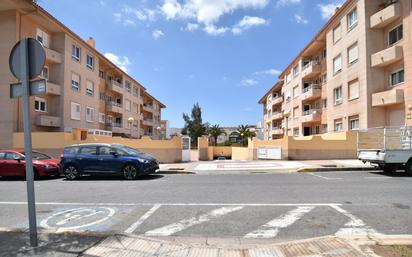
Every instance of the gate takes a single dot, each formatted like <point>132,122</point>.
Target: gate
<point>185,149</point>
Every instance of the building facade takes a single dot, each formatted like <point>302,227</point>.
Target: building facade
<point>84,88</point>
<point>354,74</point>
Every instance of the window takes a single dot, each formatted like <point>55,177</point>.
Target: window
<point>76,53</point>
<point>2,155</point>
<point>135,91</point>
<point>75,111</point>
<point>353,89</point>
<point>40,104</point>
<point>337,34</point>
<point>325,103</point>
<point>45,73</point>
<point>296,132</point>
<point>88,150</point>
<point>102,117</point>
<point>89,114</point>
<point>338,125</point>
<point>102,97</point>
<point>395,35</point>
<point>75,82</point>
<point>354,122</point>
<point>89,88</point>
<point>337,93</point>
<point>337,64</point>
<point>42,37</point>
<point>352,19</point>
<point>13,156</point>
<point>397,77</point>
<point>324,53</point>
<point>90,62</point>
<point>295,70</point>
<point>127,105</point>
<point>353,54</point>
<point>128,86</point>
<point>296,91</point>
<point>101,74</point>
<point>295,112</point>
<point>135,108</point>
<point>324,78</point>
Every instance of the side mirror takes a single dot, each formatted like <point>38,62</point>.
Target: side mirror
<point>19,159</point>
<point>115,154</point>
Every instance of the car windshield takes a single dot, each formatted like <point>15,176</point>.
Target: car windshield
<point>129,150</point>
<point>39,156</point>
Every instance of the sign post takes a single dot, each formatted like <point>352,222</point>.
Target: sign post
<point>26,62</point>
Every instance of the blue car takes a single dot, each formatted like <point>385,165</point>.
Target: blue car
<point>115,159</point>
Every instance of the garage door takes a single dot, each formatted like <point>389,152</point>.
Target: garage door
<point>397,118</point>
<point>269,153</point>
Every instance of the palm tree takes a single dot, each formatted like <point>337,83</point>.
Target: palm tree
<point>244,132</point>
<point>215,131</point>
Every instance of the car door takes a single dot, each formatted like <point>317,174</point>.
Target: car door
<point>12,166</point>
<point>2,166</point>
<point>109,162</point>
<point>87,158</point>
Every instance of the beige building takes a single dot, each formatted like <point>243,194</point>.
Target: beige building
<point>84,89</point>
<point>354,74</point>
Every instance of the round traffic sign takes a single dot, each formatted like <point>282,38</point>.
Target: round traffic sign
<point>36,56</point>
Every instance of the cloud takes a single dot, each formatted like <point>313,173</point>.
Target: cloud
<point>300,19</point>
<point>246,23</point>
<point>130,16</point>
<point>158,34</point>
<point>268,72</point>
<point>249,82</point>
<point>327,10</point>
<point>121,61</point>
<point>206,12</point>
<point>282,3</point>
<point>192,27</point>
<point>214,30</point>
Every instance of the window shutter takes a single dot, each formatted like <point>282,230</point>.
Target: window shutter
<point>353,89</point>
<point>337,64</point>
<point>353,54</point>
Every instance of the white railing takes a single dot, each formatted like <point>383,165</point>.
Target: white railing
<point>310,112</point>
<point>311,86</point>
<point>310,63</point>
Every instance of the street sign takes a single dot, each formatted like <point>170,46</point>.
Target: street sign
<point>26,61</point>
<point>37,87</point>
<point>37,59</point>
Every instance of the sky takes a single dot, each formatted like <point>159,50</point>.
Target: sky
<point>223,54</point>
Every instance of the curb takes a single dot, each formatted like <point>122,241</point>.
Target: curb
<point>175,172</point>
<point>329,169</point>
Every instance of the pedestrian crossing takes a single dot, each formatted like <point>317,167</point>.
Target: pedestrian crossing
<point>265,222</point>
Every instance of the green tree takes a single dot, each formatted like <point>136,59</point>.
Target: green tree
<point>194,126</point>
<point>244,133</point>
<point>215,131</point>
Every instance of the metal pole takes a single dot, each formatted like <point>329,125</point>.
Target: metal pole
<point>27,142</point>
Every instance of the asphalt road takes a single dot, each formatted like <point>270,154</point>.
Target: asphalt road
<point>271,206</point>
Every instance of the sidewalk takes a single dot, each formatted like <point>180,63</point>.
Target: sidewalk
<point>263,166</point>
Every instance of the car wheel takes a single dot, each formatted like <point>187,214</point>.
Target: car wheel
<point>71,172</point>
<point>388,168</point>
<point>130,172</point>
<point>408,167</point>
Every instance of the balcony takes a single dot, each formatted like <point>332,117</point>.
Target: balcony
<point>115,127</point>
<point>277,131</point>
<point>148,107</point>
<point>311,92</point>
<point>311,69</point>
<point>277,100</point>
<point>114,107</point>
<point>387,57</point>
<point>277,116</point>
<point>115,86</point>
<point>148,122</point>
<point>311,116</point>
<point>53,89</point>
<point>388,98</point>
<point>53,56</point>
<point>48,121</point>
<point>386,16</point>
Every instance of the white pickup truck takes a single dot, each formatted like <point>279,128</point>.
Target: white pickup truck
<point>389,148</point>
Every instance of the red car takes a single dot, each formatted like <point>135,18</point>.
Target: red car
<point>12,164</point>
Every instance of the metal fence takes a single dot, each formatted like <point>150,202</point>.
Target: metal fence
<point>387,138</point>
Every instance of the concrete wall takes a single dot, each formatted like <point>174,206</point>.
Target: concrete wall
<point>166,151</point>
<point>203,148</point>
<point>240,153</point>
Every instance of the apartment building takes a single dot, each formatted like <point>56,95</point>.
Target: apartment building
<point>354,74</point>
<point>84,89</point>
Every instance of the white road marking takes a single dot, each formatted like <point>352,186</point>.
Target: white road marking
<point>186,223</point>
<point>178,204</point>
<point>271,229</point>
<point>139,222</point>
<point>378,178</point>
<point>322,177</point>
<point>354,226</point>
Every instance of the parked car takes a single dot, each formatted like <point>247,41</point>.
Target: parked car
<point>113,159</point>
<point>12,164</point>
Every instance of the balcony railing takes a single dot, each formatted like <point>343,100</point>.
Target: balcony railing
<point>48,121</point>
<point>309,112</point>
<point>311,69</point>
<point>309,64</point>
<point>385,16</point>
<point>311,86</point>
<point>388,98</point>
<point>387,56</point>
<point>115,86</point>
